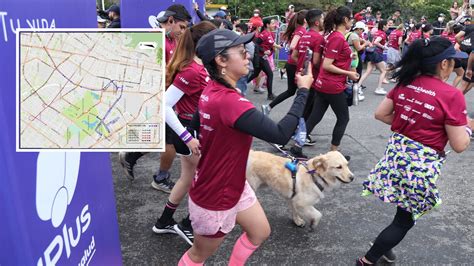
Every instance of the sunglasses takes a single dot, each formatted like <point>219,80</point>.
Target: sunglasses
<point>242,53</point>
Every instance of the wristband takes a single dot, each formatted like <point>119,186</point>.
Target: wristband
<point>186,137</point>
<point>469,131</point>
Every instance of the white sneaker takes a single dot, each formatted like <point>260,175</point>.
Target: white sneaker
<point>266,109</point>
<point>361,97</point>
<point>380,91</point>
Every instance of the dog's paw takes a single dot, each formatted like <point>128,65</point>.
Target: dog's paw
<point>313,224</point>
<point>299,222</point>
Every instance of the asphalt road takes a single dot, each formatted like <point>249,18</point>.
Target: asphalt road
<point>445,236</point>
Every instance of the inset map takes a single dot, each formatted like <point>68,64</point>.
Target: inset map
<point>91,90</point>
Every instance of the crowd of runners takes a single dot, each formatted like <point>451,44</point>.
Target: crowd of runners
<point>210,122</point>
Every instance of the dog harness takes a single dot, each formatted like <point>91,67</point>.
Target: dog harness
<point>293,167</point>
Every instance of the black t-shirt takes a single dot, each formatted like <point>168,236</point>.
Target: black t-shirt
<point>466,44</point>
<point>115,23</point>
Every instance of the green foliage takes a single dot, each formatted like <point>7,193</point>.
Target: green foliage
<point>278,7</point>
<point>409,8</point>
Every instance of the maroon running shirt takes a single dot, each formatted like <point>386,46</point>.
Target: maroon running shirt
<point>413,36</point>
<point>393,39</point>
<point>383,39</point>
<point>220,174</point>
<point>315,42</point>
<point>338,49</point>
<point>170,46</point>
<point>450,36</point>
<point>424,107</point>
<point>191,80</point>
<point>267,42</point>
<point>299,31</point>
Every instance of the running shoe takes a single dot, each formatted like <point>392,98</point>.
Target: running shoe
<point>271,97</point>
<point>266,109</point>
<point>361,96</point>
<point>258,91</point>
<point>360,262</point>
<point>128,160</point>
<point>380,91</point>
<point>165,185</point>
<point>164,228</point>
<point>185,231</point>
<point>297,152</point>
<point>388,256</point>
<point>309,141</point>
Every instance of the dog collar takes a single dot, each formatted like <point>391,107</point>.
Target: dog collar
<point>314,175</point>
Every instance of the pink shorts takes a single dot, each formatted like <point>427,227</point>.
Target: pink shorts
<point>218,223</point>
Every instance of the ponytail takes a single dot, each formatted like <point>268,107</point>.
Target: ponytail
<point>185,50</point>
<point>295,21</point>
<point>336,17</point>
<point>411,65</point>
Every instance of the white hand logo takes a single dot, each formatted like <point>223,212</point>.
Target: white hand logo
<point>56,178</point>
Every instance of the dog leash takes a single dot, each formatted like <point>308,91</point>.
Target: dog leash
<point>286,154</point>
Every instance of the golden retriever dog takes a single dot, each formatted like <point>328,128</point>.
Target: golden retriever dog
<point>321,173</point>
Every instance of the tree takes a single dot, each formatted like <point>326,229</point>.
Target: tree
<point>278,7</point>
<point>409,8</point>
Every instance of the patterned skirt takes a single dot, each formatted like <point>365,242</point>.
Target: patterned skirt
<point>406,176</point>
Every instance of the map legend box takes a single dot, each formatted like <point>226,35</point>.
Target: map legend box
<point>143,133</point>
<point>87,89</point>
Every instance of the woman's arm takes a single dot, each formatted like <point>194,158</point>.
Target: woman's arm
<point>172,96</point>
<point>328,66</point>
<point>258,125</point>
<point>294,55</point>
<point>460,36</point>
<point>294,42</point>
<point>358,46</point>
<point>384,111</point>
<point>459,137</point>
<point>377,42</point>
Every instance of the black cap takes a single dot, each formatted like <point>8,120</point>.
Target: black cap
<point>113,8</point>
<point>234,18</point>
<point>216,41</point>
<point>178,12</point>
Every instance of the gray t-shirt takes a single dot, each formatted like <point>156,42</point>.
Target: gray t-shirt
<point>353,37</point>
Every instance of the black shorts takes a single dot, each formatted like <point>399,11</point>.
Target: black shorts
<point>173,138</point>
<point>374,57</point>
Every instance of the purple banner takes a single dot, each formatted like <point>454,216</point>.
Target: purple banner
<point>56,207</point>
<point>140,13</point>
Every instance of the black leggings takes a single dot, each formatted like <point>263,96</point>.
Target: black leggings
<point>359,67</point>
<point>265,66</point>
<point>391,236</point>
<point>339,106</point>
<point>309,105</point>
<point>290,73</point>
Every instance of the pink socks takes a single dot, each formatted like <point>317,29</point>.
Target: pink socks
<point>243,248</point>
<point>186,261</point>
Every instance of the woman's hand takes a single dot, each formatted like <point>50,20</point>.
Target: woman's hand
<point>353,76</point>
<point>267,52</point>
<point>305,81</point>
<point>193,145</point>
